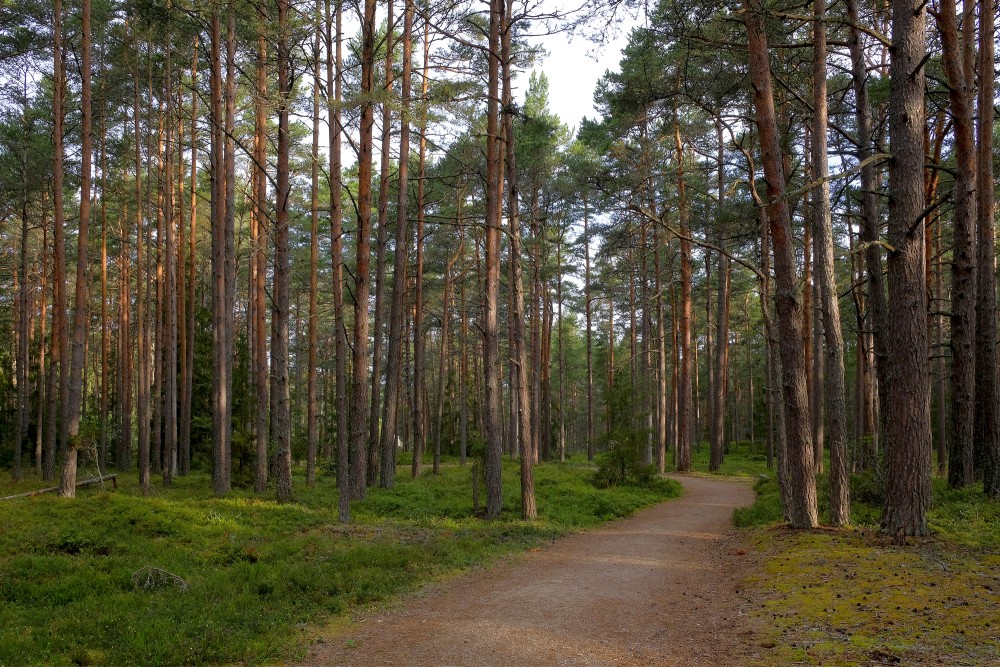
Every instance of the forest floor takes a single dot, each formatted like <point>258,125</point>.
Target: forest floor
<point>659,588</point>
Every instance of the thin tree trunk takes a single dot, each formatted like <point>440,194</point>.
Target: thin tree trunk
<point>941,362</point>
<point>559,347</point>
<point>961,469</point>
<point>43,372</point>
<point>220,477</point>
<point>102,450</point>
<point>58,359</point>
<point>519,356</point>
<point>589,308</point>
<point>987,430</point>
<point>684,397</point>
<point>611,364</point>
<point>22,328</point>
<point>362,281</point>
<point>184,404</point>
<point>491,350</point>
<point>142,337</point>
<point>720,384</point>
<point>374,441</point>
<point>184,436</point>
<point>312,408</point>
<point>397,313</point>
<point>170,294</point>
<point>281,425</point>
<point>159,315</point>
<point>835,395</point>
<point>123,392</point>
<point>463,366</point>
<point>258,224</point>
<point>802,501</point>
<point>81,309</point>
<point>877,306</point>
<point>334,83</point>
<point>663,393</point>
<point>418,309</point>
<point>443,357</point>
<point>229,302</point>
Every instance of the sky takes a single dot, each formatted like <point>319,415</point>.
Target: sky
<point>573,66</point>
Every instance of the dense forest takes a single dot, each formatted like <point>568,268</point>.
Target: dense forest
<point>243,236</point>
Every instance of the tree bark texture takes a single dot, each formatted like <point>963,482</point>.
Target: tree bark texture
<point>801,504</point>
<point>961,470</point>
<point>908,431</point>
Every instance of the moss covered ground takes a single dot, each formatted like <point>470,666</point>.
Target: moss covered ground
<point>854,597</point>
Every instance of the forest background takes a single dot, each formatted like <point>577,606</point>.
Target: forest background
<point>241,236</point>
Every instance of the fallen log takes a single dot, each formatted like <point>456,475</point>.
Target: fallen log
<point>87,482</point>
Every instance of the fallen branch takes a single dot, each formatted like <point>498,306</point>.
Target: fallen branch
<point>148,578</point>
<point>87,482</point>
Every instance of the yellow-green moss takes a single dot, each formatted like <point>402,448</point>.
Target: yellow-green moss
<point>850,597</point>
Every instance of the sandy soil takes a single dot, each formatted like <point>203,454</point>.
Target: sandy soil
<point>661,588</point>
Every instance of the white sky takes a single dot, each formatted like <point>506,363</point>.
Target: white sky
<point>573,66</point>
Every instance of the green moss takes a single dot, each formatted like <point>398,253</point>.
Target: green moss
<point>853,597</point>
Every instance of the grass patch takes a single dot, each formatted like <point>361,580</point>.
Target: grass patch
<point>261,577</point>
<point>742,459</point>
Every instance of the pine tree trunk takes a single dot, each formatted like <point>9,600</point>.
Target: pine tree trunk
<point>835,395</point>
<point>184,436</point>
<point>259,259</point>
<point>493,396</point>
<point>559,347</point>
<point>519,356</point>
<point>393,376</point>
<point>589,315</point>
<point>334,83</point>
<point>720,383</point>
<point>684,397</point>
<point>987,429</point>
<point>877,319</point>
<point>661,335</point>
<point>801,503</point>
<point>961,81</point>
<point>908,450</point>
<point>43,372</point>
<point>463,366</point>
<point>123,391</point>
<point>142,337</point>
<point>102,449</point>
<point>229,296</point>
<point>281,425</point>
<point>312,407</point>
<point>378,325</point>
<point>58,358</point>
<point>81,309</point>
<point>180,269</point>
<point>22,327</point>
<point>170,296</point>
<point>220,396</point>
<point>418,308</point>
<point>443,356</point>
<point>362,281</point>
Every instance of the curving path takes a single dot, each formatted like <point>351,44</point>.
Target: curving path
<point>660,588</point>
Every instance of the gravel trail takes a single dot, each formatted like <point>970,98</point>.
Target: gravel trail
<point>658,589</point>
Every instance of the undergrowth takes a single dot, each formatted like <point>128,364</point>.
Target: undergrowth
<point>259,578</point>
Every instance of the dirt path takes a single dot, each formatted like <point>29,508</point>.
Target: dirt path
<point>658,589</point>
